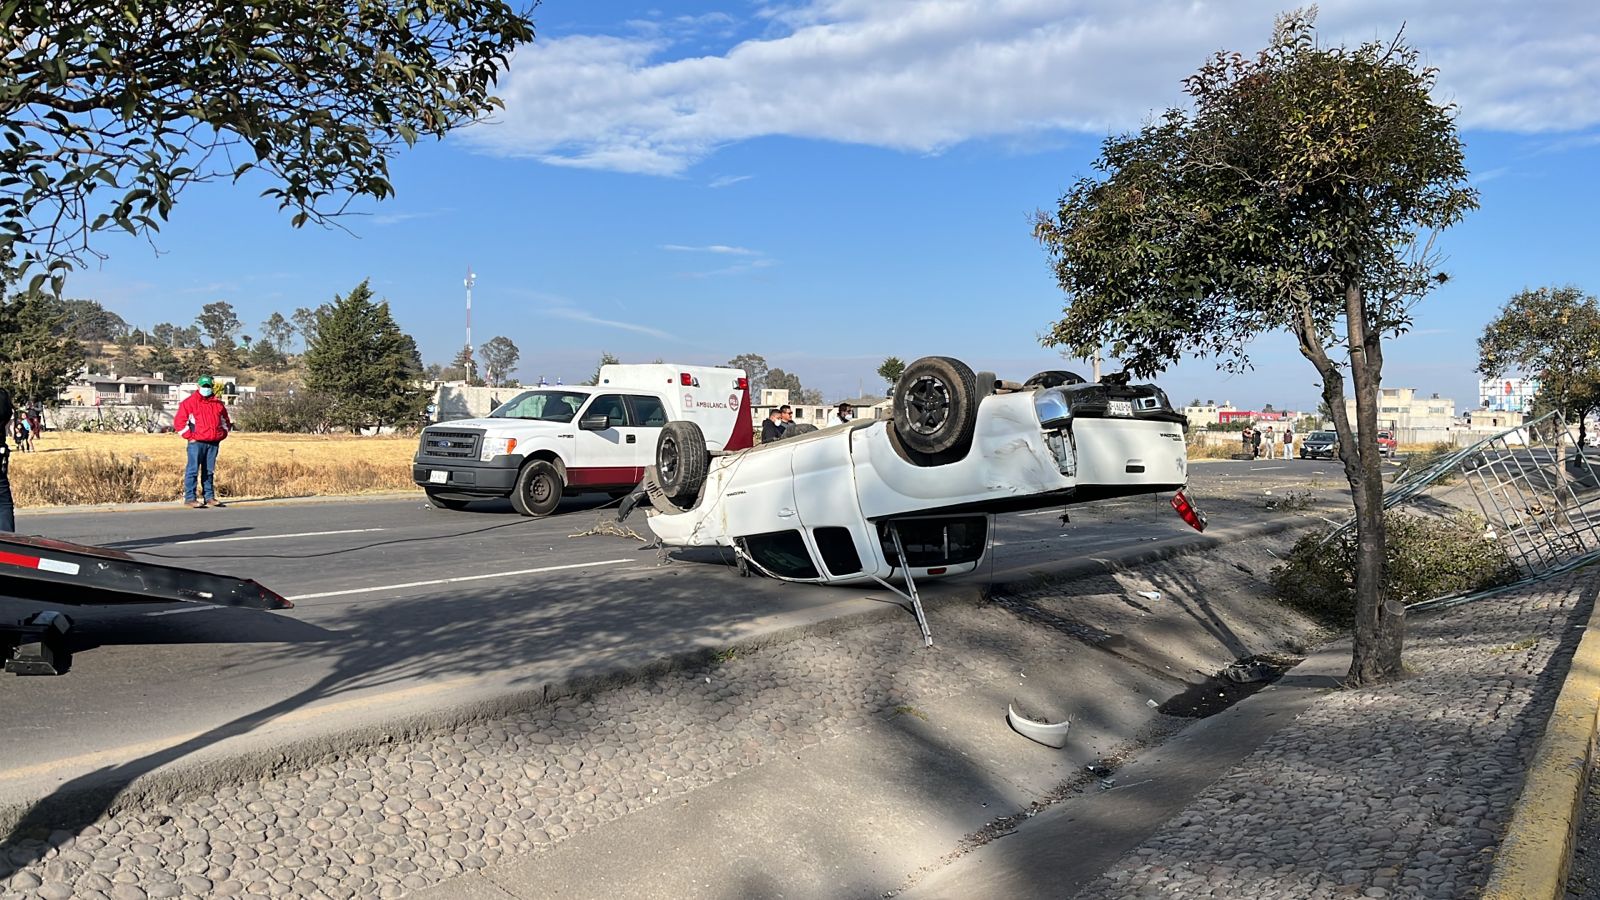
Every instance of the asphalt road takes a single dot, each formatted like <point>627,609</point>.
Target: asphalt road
<point>401,608</point>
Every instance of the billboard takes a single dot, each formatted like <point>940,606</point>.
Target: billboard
<point>1508,394</point>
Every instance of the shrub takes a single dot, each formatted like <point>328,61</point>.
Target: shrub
<point>1427,557</point>
<point>299,413</point>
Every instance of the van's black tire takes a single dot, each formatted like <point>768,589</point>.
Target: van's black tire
<point>681,461</point>
<point>443,502</point>
<point>797,429</point>
<point>1050,378</point>
<point>936,406</point>
<point>538,489</point>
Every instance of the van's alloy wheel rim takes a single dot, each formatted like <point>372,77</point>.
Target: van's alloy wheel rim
<point>928,401</point>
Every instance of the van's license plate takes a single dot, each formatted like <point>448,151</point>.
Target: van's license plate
<point>437,477</point>
<point>1122,408</point>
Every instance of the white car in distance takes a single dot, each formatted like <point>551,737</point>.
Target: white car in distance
<point>831,505</point>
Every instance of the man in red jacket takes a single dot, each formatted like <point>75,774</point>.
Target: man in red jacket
<point>202,418</point>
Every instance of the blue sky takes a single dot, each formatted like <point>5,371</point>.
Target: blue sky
<point>828,183</point>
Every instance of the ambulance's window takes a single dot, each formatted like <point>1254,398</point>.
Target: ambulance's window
<point>648,411</point>
<point>783,553</point>
<point>610,405</point>
<point>838,550</point>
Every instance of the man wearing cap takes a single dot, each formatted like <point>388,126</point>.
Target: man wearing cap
<point>202,418</point>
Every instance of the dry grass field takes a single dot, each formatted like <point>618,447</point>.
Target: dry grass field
<point>73,467</point>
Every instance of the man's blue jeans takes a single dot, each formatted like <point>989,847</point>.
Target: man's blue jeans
<point>202,462</point>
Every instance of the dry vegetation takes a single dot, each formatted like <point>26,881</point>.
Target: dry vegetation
<point>73,467</point>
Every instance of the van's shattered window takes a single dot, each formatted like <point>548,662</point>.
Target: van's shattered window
<point>938,542</point>
<point>783,553</point>
<point>547,406</point>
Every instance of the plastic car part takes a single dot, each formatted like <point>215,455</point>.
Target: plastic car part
<point>936,406</point>
<point>681,461</point>
<point>1050,734</point>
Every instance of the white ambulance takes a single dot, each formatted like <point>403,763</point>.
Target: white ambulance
<point>549,442</point>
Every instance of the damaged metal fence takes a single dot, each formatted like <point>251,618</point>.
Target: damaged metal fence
<point>1535,486</point>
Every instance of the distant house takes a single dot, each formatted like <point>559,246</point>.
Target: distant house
<point>110,390</point>
<point>816,414</point>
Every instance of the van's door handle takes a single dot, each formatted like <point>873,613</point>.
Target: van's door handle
<point>631,439</point>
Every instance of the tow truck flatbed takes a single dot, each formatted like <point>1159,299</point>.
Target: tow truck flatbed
<point>45,570</point>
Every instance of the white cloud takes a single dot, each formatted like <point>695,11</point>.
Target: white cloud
<point>922,75</point>
<point>723,181</point>
<point>712,248</point>
<point>576,315</point>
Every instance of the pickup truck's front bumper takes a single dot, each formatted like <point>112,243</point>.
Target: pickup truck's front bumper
<point>494,478</point>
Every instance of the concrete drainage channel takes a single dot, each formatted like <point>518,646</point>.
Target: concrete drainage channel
<point>849,742</point>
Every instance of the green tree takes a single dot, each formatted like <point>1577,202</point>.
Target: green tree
<point>278,331</point>
<point>160,358</point>
<point>364,364</point>
<point>219,322</point>
<point>606,359</point>
<point>499,359</point>
<point>755,369</point>
<point>87,320</point>
<point>890,372</point>
<point>112,108</point>
<point>307,321</point>
<point>1301,193</point>
<point>1554,334</point>
<point>195,363</point>
<point>266,355</point>
<point>37,356</point>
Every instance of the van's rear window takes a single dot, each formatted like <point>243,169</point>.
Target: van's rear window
<point>944,541</point>
<point>783,553</point>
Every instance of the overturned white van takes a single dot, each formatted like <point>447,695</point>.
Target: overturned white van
<point>915,495</point>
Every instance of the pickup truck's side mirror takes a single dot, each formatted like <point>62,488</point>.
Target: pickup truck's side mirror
<point>596,422</point>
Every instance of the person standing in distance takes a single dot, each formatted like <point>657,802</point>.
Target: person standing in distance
<point>843,415</point>
<point>772,428</point>
<point>203,419</point>
<point>8,513</point>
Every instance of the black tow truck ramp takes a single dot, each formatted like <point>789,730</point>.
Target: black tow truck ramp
<point>58,572</point>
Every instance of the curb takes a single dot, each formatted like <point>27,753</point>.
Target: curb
<point>172,505</point>
<point>205,772</point>
<point>1535,855</point>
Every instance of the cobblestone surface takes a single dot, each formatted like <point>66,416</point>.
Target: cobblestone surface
<point>1584,881</point>
<point>399,817</point>
<point>1397,791</point>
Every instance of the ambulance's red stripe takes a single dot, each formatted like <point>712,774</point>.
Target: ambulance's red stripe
<point>17,559</point>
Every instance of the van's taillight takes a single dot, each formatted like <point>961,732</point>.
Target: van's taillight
<point>1187,511</point>
<point>937,571</point>
<point>742,384</point>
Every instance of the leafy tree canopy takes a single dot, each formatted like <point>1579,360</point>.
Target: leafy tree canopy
<point>500,357</point>
<point>37,356</point>
<point>87,320</point>
<point>112,108</point>
<point>364,364</point>
<point>1301,193</point>
<point>1554,334</point>
<point>755,369</point>
<point>219,322</point>
<point>890,371</point>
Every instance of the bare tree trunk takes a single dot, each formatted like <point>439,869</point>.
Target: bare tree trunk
<point>1380,623</point>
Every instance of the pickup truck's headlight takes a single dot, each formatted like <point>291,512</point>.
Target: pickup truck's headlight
<point>493,447</point>
<point>1052,408</point>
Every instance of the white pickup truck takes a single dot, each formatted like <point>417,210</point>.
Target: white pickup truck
<point>547,442</point>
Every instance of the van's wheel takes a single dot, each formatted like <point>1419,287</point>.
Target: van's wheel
<point>936,406</point>
<point>681,461</point>
<point>798,429</point>
<point>538,489</point>
<point>443,502</point>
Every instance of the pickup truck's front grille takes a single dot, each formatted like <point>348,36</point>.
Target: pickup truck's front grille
<point>438,443</point>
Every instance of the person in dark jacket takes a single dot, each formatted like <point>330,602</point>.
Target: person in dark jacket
<point>202,418</point>
<point>772,428</point>
<point>8,513</point>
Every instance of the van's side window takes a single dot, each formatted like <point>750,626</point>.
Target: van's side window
<point>838,550</point>
<point>648,411</point>
<point>782,553</point>
<point>610,405</point>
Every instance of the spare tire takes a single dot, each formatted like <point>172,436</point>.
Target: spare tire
<point>681,460</point>
<point>797,429</point>
<point>936,406</point>
<point>1050,378</point>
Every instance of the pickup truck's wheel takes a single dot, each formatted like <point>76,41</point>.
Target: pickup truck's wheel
<point>1050,378</point>
<point>442,502</point>
<point>538,489</point>
<point>936,405</point>
<point>681,460</point>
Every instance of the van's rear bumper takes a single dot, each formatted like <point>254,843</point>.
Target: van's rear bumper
<point>494,478</point>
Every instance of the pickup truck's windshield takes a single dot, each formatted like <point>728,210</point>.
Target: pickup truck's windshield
<point>547,406</point>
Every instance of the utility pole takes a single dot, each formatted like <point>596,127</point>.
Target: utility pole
<point>468,282</point>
